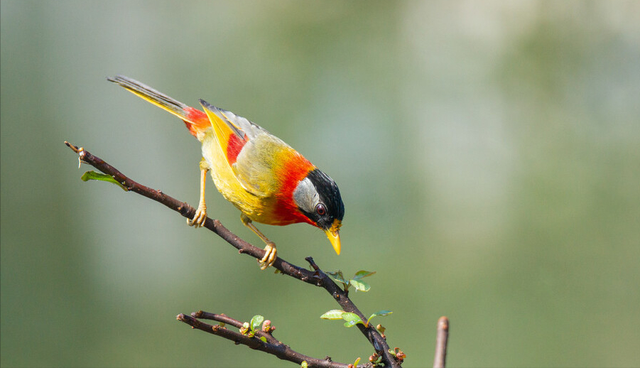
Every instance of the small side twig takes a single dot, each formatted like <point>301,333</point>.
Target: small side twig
<point>266,333</point>
<point>442,338</point>
<point>271,345</point>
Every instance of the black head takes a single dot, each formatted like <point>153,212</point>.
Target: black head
<point>318,197</point>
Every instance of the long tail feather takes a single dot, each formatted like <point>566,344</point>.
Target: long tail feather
<point>154,96</point>
<point>195,120</point>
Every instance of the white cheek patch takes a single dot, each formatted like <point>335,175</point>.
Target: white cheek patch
<point>306,196</point>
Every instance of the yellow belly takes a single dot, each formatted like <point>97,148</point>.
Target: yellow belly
<point>257,208</point>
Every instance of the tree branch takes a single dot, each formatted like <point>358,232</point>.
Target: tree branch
<point>316,277</point>
<point>271,345</point>
<point>442,338</point>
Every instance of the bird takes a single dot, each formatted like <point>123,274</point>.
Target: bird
<point>260,174</point>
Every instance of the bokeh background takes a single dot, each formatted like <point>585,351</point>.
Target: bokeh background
<point>488,154</point>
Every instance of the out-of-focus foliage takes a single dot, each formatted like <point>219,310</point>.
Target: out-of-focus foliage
<point>488,154</point>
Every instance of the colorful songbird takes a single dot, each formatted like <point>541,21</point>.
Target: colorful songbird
<point>266,179</point>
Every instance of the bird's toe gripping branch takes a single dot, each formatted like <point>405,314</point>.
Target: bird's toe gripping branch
<point>270,255</point>
<point>199,218</point>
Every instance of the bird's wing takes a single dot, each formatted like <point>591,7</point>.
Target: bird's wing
<point>250,150</point>
<point>262,164</point>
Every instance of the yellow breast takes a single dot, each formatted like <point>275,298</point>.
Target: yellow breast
<point>257,208</point>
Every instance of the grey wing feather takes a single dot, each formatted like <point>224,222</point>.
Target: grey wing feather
<point>256,163</point>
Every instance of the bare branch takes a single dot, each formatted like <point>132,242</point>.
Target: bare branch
<point>442,338</point>
<point>316,277</point>
<point>271,345</point>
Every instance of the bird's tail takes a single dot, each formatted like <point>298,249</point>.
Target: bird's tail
<point>195,120</point>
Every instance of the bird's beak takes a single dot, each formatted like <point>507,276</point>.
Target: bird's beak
<point>333,233</point>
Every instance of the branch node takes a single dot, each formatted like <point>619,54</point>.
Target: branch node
<point>312,263</point>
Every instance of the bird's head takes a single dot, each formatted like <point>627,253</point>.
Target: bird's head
<point>317,196</point>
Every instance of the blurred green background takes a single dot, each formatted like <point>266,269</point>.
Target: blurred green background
<point>488,154</point>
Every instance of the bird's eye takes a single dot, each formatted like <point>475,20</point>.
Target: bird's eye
<point>321,209</point>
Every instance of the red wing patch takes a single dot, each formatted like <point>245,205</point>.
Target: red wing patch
<point>234,146</point>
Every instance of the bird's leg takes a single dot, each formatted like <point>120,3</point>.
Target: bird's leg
<point>270,252</point>
<point>201,213</point>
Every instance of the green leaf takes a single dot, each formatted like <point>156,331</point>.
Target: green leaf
<point>256,321</point>
<point>355,364</point>
<point>92,175</point>
<point>333,314</point>
<point>348,316</point>
<point>263,339</point>
<point>304,364</point>
<point>337,277</point>
<point>359,285</point>
<point>362,274</point>
<point>351,319</point>
<point>382,313</point>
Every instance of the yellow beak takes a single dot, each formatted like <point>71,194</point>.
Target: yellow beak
<point>333,234</point>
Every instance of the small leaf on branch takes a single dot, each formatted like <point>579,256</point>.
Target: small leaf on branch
<point>348,316</point>
<point>333,314</point>
<point>355,364</point>
<point>92,175</point>
<point>362,273</point>
<point>359,285</point>
<point>382,313</point>
<point>337,277</point>
<point>351,319</point>
<point>256,321</point>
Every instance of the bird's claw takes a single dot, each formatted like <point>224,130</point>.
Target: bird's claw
<point>199,218</point>
<point>270,255</point>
